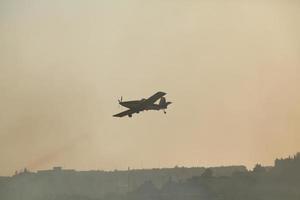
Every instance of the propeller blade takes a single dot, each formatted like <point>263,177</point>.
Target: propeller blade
<point>120,100</point>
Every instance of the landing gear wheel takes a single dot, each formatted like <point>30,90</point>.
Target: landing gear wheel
<point>129,115</point>
<point>165,112</point>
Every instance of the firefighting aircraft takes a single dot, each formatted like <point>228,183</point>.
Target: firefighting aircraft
<point>144,104</point>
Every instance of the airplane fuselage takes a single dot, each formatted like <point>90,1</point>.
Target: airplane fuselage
<point>139,105</point>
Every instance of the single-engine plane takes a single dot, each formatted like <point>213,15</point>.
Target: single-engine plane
<point>144,104</point>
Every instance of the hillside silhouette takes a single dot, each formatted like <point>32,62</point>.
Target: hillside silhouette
<point>281,181</point>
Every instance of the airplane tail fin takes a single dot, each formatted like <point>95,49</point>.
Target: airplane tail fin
<point>163,104</point>
<point>162,101</point>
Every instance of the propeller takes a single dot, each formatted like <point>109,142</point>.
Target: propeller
<point>120,100</point>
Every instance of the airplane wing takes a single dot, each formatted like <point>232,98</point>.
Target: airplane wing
<point>126,112</point>
<point>155,97</point>
<point>131,104</point>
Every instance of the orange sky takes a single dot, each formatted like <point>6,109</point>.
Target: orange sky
<point>231,68</point>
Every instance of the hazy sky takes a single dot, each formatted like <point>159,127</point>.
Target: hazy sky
<point>232,69</point>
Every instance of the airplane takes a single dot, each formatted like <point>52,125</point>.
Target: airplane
<point>144,104</point>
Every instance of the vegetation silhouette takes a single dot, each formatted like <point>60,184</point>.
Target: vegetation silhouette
<point>281,181</point>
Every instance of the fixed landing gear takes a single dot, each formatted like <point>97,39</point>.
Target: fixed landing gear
<point>165,112</point>
<point>129,115</point>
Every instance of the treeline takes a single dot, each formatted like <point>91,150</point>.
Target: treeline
<point>281,181</point>
<point>262,183</point>
<point>61,183</point>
